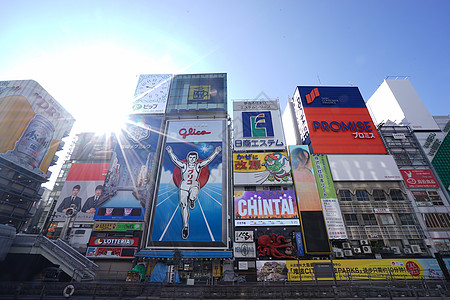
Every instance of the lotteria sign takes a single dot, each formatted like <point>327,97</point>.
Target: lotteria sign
<point>339,121</point>
<point>114,241</point>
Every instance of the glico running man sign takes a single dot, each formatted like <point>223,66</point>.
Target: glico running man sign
<point>191,200</point>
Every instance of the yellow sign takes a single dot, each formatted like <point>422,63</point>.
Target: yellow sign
<point>199,92</point>
<point>261,168</point>
<point>364,269</point>
<point>105,226</point>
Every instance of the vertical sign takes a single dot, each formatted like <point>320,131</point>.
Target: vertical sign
<point>330,204</point>
<point>311,215</point>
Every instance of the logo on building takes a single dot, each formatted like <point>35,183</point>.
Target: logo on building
<point>257,124</point>
<point>312,96</point>
<point>199,92</point>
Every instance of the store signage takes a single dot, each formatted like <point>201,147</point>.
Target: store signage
<point>244,236</point>
<point>244,250</point>
<point>114,241</point>
<point>117,226</point>
<point>382,210</point>
<point>399,136</point>
<point>419,178</point>
<point>103,252</point>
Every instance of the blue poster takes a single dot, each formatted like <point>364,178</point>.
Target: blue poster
<point>190,205</point>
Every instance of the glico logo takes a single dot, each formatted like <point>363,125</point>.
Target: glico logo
<point>257,124</point>
<point>312,96</point>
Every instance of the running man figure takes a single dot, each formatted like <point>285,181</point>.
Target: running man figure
<point>189,184</point>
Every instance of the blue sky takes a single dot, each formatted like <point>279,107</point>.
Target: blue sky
<point>87,53</point>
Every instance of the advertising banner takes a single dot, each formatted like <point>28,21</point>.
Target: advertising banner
<point>330,204</point>
<point>191,200</point>
<point>243,236</point>
<point>257,126</point>
<point>271,270</point>
<point>261,168</point>
<point>114,241</point>
<point>419,178</point>
<point>365,269</point>
<point>276,243</point>
<point>32,125</point>
<point>82,190</point>
<point>265,208</point>
<point>363,168</point>
<point>338,120</point>
<point>244,250</point>
<point>116,226</point>
<point>129,184</point>
<point>198,92</point>
<point>91,147</point>
<point>310,207</point>
<point>151,94</point>
<point>109,252</point>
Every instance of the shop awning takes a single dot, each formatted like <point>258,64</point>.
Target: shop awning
<point>185,254</point>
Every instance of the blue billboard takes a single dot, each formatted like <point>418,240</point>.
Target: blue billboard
<point>129,182</point>
<point>323,96</point>
<point>190,209</point>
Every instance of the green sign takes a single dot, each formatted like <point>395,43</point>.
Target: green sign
<point>324,180</point>
<point>117,226</point>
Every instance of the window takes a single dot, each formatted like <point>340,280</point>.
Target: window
<point>396,194</point>
<point>345,195</point>
<point>351,219</point>
<point>437,220</point>
<point>362,195</point>
<point>369,219</point>
<point>386,219</point>
<point>406,219</point>
<point>379,195</point>
<point>427,198</point>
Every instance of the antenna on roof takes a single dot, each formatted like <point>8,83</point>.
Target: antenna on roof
<point>318,78</point>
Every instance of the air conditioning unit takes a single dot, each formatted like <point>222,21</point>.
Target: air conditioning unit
<point>395,249</point>
<point>416,249</point>
<point>339,254</point>
<point>346,246</point>
<point>364,242</point>
<point>357,250</point>
<point>407,251</point>
<point>367,249</point>
<point>348,253</point>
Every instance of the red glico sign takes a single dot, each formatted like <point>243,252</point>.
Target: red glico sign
<point>419,178</point>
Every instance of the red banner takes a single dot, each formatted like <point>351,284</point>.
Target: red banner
<point>419,178</point>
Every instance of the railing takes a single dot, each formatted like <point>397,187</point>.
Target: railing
<point>81,267</point>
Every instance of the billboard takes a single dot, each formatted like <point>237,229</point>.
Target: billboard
<point>191,206</point>
<point>152,92</point>
<point>198,92</point>
<point>261,168</point>
<point>315,238</point>
<point>330,204</point>
<point>83,189</point>
<point>419,178</point>
<point>110,252</point>
<point>114,241</point>
<point>116,226</point>
<point>368,269</point>
<point>92,147</point>
<point>363,168</point>
<point>129,185</point>
<point>265,208</point>
<point>257,126</point>
<point>244,250</point>
<point>338,120</point>
<point>32,125</point>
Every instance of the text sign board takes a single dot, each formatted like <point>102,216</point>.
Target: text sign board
<point>419,178</point>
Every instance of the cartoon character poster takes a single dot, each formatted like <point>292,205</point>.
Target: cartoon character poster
<point>190,204</point>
